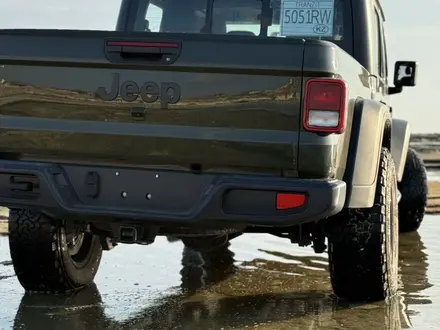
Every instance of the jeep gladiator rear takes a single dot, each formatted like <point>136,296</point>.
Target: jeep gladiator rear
<point>217,130</point>
<point>200,125</point>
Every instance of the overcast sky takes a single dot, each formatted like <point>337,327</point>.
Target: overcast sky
<point>413,33</point>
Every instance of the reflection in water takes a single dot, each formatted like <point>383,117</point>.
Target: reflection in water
<point>78,310</point>
<point>201,269</point>
<point>413,269</point>
<point>217,294</point>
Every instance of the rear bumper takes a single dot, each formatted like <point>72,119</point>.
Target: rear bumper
<point>163,197</point>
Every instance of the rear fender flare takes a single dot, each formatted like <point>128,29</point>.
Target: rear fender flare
<point>371,130</point>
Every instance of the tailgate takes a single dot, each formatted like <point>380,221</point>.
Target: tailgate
<point>205,102</point>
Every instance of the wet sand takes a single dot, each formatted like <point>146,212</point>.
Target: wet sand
<point>434,198</point>
<point>260,282</point>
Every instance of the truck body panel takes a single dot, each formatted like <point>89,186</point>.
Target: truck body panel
<point>326,156</point>
<point>228,113</point>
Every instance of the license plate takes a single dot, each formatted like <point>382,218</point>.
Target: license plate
<point>307,18</point>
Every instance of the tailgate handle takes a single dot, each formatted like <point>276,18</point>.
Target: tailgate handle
<point>143,51</point>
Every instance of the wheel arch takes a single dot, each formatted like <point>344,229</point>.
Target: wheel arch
<point>371,130</point>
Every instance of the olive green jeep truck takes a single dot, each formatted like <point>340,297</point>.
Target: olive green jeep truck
<point>203,120</point>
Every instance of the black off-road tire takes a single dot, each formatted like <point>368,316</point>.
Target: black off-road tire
<point>363,243</point>
<point>43,256</point>
<point>414,190</point>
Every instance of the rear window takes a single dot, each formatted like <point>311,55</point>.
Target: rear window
<point>322,19</point>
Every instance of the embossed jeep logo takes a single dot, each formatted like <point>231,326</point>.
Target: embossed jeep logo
<point>150,92</point>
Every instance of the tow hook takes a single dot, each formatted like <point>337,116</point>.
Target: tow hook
<point>137,235</point>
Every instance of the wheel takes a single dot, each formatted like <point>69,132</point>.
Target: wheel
<point>414,190</point>
<point>363,243</point>
<point>47,257</point>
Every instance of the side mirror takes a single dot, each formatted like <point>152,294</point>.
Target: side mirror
<point>405,74</point>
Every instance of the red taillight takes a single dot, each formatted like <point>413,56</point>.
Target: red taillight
<point>287,201</point>
<point>325,105</point>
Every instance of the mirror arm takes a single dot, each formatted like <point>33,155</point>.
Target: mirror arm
<point>395,90</point>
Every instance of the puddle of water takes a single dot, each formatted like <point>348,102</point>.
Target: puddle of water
<point>260,281</point>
